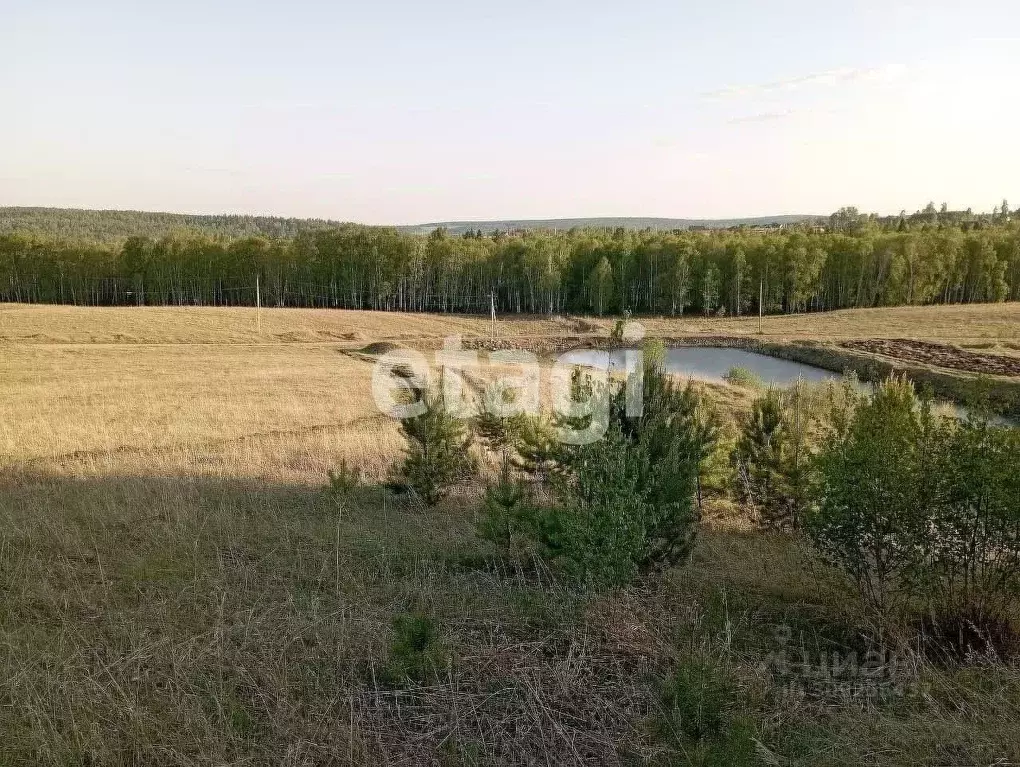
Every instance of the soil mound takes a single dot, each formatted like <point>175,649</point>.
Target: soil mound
<point>377,348</point>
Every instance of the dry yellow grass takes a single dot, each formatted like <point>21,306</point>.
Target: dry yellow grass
<point>208,325</point>
<point>175,587</point>
<point>66,399</point>
<point>113,379</point>
<point>998,323</point>
<point>995,323</point>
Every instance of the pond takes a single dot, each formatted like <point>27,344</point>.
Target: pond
<point>712,363</point>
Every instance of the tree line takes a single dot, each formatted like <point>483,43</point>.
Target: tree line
<point>113,227</point>
<point>852,261</point>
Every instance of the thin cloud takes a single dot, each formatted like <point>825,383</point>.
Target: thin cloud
<point>761,117</point>
<point>829,78</point>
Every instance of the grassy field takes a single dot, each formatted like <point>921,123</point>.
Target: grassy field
<point>176,588</point>
<point>982,325</point>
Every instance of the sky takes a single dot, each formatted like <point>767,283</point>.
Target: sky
<point>408,112</point>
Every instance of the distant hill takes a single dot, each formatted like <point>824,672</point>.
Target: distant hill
<point>562,224</point>
<point>114,226</point>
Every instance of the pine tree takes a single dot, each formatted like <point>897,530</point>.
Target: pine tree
<point>507,510</point>
<point>773,456</point>
<point>438,449</point>
<point>759,457</point>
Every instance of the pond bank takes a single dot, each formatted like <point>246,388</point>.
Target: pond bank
<point>1000,394</point>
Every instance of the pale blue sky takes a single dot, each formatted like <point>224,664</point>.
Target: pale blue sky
<point>405,112</point>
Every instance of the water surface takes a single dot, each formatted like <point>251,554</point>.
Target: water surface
<point>712,363</point>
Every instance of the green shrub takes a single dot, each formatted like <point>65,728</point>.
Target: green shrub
<point>342,482</point>
<point>773,456</point>
<point>697,701</point>
<point>438,452</point>
<point>598,531</point>
<point>535,449</point>
<point>740,376</point>
<point>760,457</point>
<point>923,511</point>
<point>416,652</point>
<point>970,575</point>
<point>655,353</point>
<point>628,503</point>
<point>528,440</point>
<point>497,432</point>
<point>508,512</point>
<point>875,481</point>
<point>583,390</point>
<point>674,436</point>
<point>699,717</point>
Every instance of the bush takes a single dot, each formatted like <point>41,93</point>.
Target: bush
<point>342,482</point>
<point>625,504</point>
<point>416,652</point>
<point>924,512</point>
<point>508,513</point>
<point>528,440</point>
<point>874,484</point>
<point>740,376</point>
<point>598,531</point>
<point>773,458</point>
<point>674,435</point>
<point>699,716</point>
<point>697,700</point>
<point>438,449</point>
<point>535,449</point>
<point>628,502</point>
<point>760,457</point>
<point>971,570</point>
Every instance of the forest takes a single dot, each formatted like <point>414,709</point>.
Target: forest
<point>850,260</point>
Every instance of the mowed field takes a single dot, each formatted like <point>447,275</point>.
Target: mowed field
<point>997,324</point>
<point>95,380</point>
<point>176,588</point>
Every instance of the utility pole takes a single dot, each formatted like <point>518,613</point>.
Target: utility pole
<point>258,305</point>
<point>761,299</point>
<point>492,306</point>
